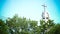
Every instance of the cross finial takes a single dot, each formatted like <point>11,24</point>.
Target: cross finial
<point>44,7</point>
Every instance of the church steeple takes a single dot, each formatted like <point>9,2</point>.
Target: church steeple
<point>44,6</point>
<point>45,15</point>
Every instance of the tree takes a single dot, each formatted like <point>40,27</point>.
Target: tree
<point>12,24</point>
<point>17,25</point>
<point>45,26</point>
<point>55,29</point>
<point>3,27</point>
<point>33,25</point>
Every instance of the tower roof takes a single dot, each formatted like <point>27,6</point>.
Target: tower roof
<point>45,14</point>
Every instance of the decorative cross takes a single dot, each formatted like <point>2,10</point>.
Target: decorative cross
<point>44,7</point>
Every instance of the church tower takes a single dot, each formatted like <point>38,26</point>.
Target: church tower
<point>45,15</point>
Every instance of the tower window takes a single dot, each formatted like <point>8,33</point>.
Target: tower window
<point>43,18</point>
<point>46,17</point>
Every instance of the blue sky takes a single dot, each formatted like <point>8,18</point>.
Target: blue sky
<point>30,9</point>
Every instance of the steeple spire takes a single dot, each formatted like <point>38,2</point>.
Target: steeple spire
<point>44,7</point>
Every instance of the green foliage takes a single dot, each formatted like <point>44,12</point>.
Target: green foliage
<point>18,25</point>
<point>55,29</point>
<point>3,27</point>
<point>45,26</point>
